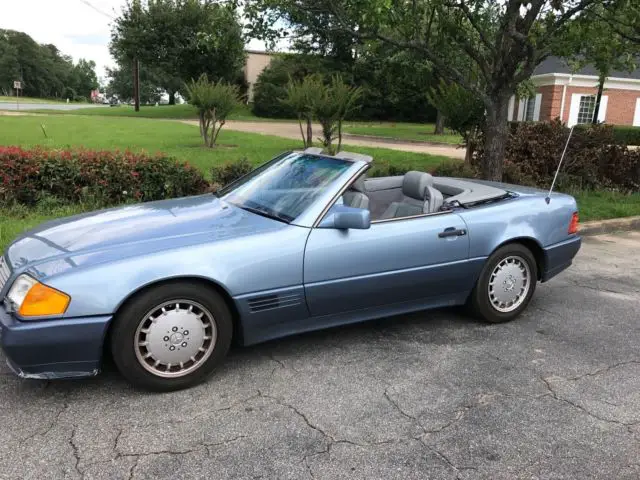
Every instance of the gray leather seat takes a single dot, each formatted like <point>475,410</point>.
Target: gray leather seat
<point>419,197</point>
<point>355,196</point>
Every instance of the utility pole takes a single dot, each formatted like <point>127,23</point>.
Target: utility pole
<point>136,84</point>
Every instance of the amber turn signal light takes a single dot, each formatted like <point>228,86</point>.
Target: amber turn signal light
<point>43,300</point>
<point>573,226</point>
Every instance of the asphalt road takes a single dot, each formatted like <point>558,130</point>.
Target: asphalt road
<point>554,395</point>
<point>47,106</point>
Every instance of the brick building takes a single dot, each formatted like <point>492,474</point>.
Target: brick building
<point>571,96</point>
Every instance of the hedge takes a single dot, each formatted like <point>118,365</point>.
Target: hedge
<point>626,135</point>
<point>594,160</point>
<point>102,177</point>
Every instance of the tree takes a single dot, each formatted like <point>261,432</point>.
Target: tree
<point>301,97</point>
<point>592,40</point>
<point>624,19</point>
<point>499,43</point>
<point>215,101</point>
<point>179,40</point>
<point>463,113</point>
<point>43,69</point>
<point>331,104</point>
<point>347,98</point>
<point>121,84</point>
<point>84,77</point>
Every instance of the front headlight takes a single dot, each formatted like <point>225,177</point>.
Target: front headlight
<point>34,299</point>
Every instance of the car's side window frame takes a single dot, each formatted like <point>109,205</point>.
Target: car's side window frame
<point>338,195</point>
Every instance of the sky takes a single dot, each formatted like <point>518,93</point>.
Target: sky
<point>79,28</point>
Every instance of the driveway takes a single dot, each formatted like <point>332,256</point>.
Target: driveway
<point>11,106</point>
<point>555,394</point>
<point>292,130</point>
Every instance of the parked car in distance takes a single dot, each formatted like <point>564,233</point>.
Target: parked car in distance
<point>303,242</point>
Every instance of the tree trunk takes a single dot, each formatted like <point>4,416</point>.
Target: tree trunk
<point>201,117</point>
<point>309,132</point>
<point>215,139</point>
<point>596,109</point>
<point>495,138</point>
<point>439,130</point>
<point>304,140</point>
<point>470,148</point>
<point>339,136</point>
<point>172,98</point>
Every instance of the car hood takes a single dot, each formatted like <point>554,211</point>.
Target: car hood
<point>132,230</point>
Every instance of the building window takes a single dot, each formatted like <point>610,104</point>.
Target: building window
<point>587,107</point>
<point>529,108</point>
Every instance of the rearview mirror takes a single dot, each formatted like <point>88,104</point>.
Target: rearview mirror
<point>343,218</point>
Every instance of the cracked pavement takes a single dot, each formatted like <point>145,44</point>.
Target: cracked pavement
<point>553,395</point>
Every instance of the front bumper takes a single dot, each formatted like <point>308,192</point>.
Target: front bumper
<point>559,257</point>
<point>62,348</point>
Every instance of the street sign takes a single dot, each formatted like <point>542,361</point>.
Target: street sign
<point>17,84</point>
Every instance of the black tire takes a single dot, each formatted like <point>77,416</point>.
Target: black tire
<point>480,304</point>
<point>134,312</point>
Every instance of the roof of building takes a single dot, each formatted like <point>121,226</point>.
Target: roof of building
<point>560,65</point>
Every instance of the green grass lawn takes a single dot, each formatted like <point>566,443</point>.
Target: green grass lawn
<point>176,139</point>
<point>169,112</point>
<point>5,99</point>
<point>603,205</point>
<point>402,131</point>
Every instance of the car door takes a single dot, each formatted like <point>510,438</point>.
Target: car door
<point>405,261</point>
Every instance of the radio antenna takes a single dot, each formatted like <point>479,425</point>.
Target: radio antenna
<point>548,199</point>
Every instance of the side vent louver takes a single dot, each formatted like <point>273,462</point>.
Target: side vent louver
<point>270,302</point>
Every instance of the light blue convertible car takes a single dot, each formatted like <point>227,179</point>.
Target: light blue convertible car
<point>304,242</point>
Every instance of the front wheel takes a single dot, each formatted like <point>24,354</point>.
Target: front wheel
<point>506,284</point>
<point>171,336</point>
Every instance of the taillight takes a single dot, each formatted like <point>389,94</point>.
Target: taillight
<point>573,226</point>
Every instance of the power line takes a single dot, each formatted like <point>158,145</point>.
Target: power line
<point>88,4</point>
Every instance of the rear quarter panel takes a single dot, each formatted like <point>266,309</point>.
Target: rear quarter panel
<point>526,216</point>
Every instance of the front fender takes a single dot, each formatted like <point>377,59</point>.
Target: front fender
<point>240,266</point>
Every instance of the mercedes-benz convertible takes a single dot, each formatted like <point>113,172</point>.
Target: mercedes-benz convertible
<point>304,242</point>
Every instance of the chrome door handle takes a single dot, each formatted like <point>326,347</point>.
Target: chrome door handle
<point>452,232</point>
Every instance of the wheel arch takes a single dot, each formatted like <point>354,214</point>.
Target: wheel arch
<point>533,246</point>
<point>233,308</point>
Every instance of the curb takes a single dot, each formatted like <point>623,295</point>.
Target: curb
<point>357,136</point>
<point>599,227</point>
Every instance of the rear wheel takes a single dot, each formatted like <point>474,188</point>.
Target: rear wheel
<point>171,336</point>
<point>506,284</point>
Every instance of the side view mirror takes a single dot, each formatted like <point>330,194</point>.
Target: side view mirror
<point>342,217</point>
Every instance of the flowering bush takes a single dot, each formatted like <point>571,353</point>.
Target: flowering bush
<point>27,175</point>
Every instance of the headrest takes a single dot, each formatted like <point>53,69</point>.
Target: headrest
<point>358,185</point>
<point>414,184</point>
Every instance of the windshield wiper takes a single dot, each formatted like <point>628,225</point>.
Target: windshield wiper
<point>262,213</point>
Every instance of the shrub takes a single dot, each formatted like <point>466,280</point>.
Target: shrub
<point>227,173</point>
<point>104,178</point>
<point>593,160</point>
<point>456,169</point>
<point>214,102</point>
<point>625,135</point>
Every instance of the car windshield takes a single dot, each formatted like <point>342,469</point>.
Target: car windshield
<point>286,186</point>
